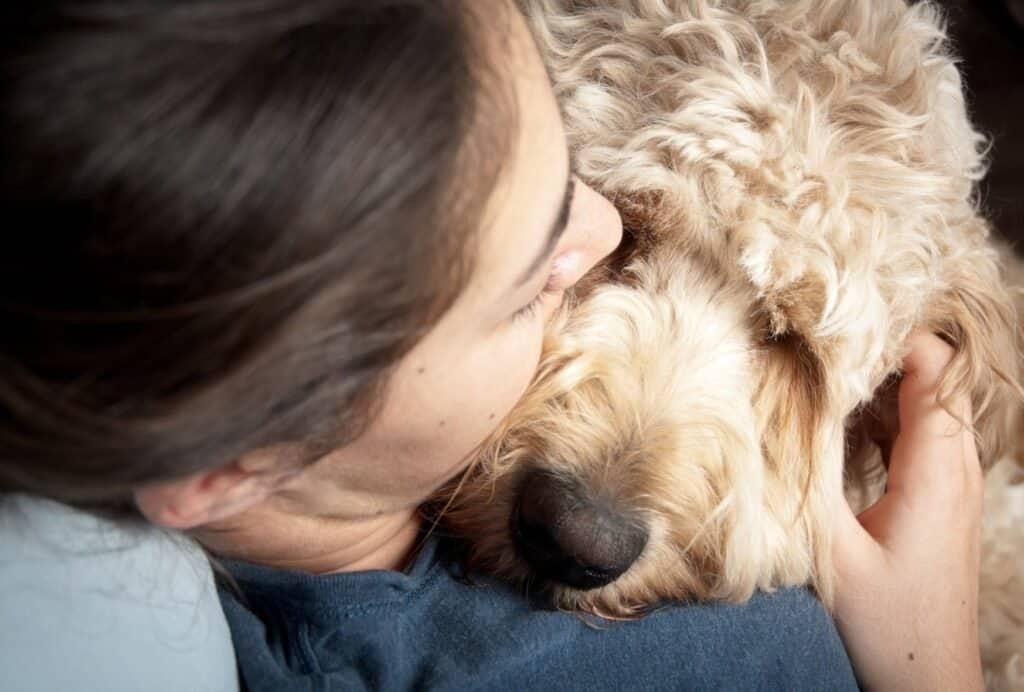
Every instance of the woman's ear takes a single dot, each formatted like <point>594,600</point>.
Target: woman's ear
<point>218,493</point>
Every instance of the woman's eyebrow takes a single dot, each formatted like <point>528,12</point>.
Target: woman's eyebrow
<point>557,228</point>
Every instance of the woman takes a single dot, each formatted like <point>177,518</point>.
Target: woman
<point>281,266</point>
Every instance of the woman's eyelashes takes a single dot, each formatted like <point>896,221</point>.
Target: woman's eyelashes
<point>533,308</point>
<point>564,273</point>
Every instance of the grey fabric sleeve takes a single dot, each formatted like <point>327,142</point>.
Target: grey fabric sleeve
<point>89,604</point>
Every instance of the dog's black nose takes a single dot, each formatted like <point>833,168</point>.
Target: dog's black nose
<point>570,538</point>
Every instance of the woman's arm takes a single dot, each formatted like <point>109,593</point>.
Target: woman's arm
<point>908,566</point>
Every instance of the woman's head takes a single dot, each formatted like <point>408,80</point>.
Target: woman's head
<point>263,230</point>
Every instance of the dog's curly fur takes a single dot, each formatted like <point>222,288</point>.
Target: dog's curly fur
<point>799,177</point>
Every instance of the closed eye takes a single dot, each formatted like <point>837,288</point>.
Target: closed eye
<point>532,309</point>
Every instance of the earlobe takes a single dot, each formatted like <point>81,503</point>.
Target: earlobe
<point>169,503</point>
<point>206,496</point>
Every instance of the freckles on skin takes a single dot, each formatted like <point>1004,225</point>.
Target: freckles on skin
<point>444,398</point>
<point>484,375</point>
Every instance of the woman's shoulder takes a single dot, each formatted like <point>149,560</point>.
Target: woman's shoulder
<point>436,627</point>
<point>93,604</point>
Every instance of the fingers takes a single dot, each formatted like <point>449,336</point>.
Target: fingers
<point>927,356</point>
<point>920,411</point>
<point>933,463</point>
<point>934,458</point>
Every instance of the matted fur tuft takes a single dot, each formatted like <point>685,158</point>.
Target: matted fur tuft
<point>799,177</point>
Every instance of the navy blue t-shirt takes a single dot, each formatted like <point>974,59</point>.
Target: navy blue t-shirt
<point>432,629</point>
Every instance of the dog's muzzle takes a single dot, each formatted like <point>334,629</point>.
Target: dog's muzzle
<point>567,537</point>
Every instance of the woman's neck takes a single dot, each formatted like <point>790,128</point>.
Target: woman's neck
<point>318,545</point>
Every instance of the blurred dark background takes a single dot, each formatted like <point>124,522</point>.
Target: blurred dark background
<point>989,36</point>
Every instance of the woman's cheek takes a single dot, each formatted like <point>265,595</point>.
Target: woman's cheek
<point>511,370</point>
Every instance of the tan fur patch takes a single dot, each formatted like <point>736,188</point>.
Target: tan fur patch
<point>799,181</point>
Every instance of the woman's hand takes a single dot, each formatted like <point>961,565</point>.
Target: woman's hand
<point>907,593</point>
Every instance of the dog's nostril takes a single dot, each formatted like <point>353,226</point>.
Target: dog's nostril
<point>568,538</point>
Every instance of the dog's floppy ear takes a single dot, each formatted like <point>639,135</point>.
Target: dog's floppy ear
<point>790,397</point>
<point>978,317</point>
<point>802,447</point>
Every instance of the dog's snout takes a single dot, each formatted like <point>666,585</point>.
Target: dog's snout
<point>569,538</point>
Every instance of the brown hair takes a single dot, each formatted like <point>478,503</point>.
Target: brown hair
<point>225,221</point>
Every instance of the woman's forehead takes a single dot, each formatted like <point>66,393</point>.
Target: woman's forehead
<point>529,193</point>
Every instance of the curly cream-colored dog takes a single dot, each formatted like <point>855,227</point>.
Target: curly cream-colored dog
<point>799,179</point>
